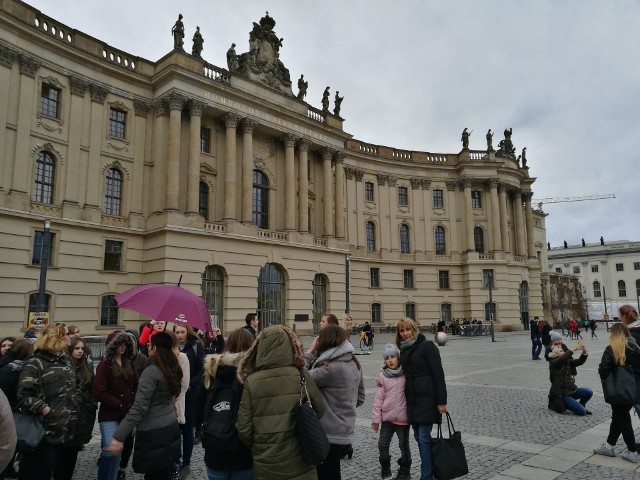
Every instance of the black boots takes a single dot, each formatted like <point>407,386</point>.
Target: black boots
<point>386,468</point>
<point>404,473</point>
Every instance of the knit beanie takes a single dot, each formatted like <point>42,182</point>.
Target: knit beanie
<point>555,336</point>
<point>390,350</point>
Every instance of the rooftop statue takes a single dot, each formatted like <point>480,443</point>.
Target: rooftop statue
<point>524,157</point>
<point>198,41</point>
<point>505,147</point>
<point>325,100</point>
<point>338,104</point>
<point>232,58</point>
<point>465,139</point>
<point>302,87</point>
<point>178,34</point>
<point>262,62</point>
<point>489,141</point>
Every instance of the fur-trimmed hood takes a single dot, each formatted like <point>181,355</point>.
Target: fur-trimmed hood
<point>119,339</point>
<point>277,346</point>
<point>217,360</point>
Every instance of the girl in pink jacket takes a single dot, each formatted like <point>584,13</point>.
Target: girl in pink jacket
<point>390,410</point>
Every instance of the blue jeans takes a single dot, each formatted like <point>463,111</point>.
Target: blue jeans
<point>422,434</point>
<point>576,402</point>
<point>536,348</point>
<point>226,475</point>
<point>108,463</point>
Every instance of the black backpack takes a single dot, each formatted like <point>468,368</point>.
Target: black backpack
<point>219,431</point>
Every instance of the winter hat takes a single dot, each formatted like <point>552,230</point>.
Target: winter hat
<point>390,350</point>
<point>555,336</point>
<point>111,336</point>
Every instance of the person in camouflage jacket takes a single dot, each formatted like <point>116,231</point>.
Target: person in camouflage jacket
<point>48,387</point>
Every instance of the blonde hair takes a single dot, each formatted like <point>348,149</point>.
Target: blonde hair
<point>403,323</point>
<point>618,343</point>
<point>52,339</point>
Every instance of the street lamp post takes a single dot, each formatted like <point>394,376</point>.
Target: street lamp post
<point>44,265</point>
<point>606,314</point>
<point>490,281</point>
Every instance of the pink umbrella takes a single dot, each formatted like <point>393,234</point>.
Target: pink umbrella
<point>169,303</point>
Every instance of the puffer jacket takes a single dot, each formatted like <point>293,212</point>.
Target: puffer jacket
<point>48,379</point>
<point>425,386</point>
<point>7,433</point>
<point>9,376</point>
<point>266,421</point>
<point>390,404</point>
<point>157,442</point>
<point>562,371</point>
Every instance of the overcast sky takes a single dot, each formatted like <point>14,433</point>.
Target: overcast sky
<point>565,75</point>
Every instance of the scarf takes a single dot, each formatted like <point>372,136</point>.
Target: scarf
<point>334,352</point>
<point>408,343</point>
<point>388,372</point>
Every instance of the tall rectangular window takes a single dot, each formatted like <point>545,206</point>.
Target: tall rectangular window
<point>488,278</point>
<point>376,313</point>
<point>368,192</point>
<point>445,312</point>
<point>407,278</point>
<point>117,120</point>
<point>594,268</point>
<point>49,100</point>
<point>109,311</point>
<point>403,196</point>
<point>438,199</point>
<point>37,247</point>
<point>443,279</point>
<point>476,199</point>
<point>374,277</point>
<point>113,255</point>
<point>205,140</point>
<point>410,310</point>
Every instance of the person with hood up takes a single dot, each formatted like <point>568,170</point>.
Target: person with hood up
<point>266,422</point>
<point>115,387</point>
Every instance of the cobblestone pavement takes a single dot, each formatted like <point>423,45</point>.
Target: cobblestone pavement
<point>497,399</point>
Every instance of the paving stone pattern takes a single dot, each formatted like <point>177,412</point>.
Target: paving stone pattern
<point>498,400</point>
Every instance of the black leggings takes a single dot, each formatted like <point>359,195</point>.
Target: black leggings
<point>621,424</point>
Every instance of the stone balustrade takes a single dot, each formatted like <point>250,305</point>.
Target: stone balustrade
<point>216,74</point>
<point>315,114</point>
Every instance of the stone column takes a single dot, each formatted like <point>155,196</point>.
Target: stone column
<point>159,169</point>
<point>383,202</point>
<point>451,207</point>
<point>425,184</point>
<point>141,112</point>
<point>504,224</point>
<point>531,247</point>
<point>392,181</point>
<point>193,169</point>
<point>176,103</point>
<point>303,185</point>
<point>78,89</point>
<point>517,205</point>
<point>339,159</point>
<point>28,69</point>
<point>289,182</point>
<point>7,57</point>
<point>97,133</point>
<point>470,246</point>
<point>495,214</point>
<point>247,171</point>
<point>327,193</point>
<point>359,240</point>
<point>231,123</point>
<point>418,213</point>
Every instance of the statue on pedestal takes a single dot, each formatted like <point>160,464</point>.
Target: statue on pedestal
<point>505,147</point>
<point>178,34</point>
<point>232,58</point>
<point>489,141</point>
<point>465,139</point>
<point>302,87</point>
<point>524,157</point>
<point>198,41</point>
<point>325,100</point>
<point>337,104</point>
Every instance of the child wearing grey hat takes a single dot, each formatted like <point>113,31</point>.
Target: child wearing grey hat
<point>390,414</point>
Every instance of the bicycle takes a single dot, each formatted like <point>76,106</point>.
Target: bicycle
<point>366,341</point>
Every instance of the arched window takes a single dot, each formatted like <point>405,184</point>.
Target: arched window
<point>109,311</point>
<point>597,293</point>
<point>405,245</point>
<point>622,288</point>
<point>376,313</point>
<point>441,246</point>
<point>203,200</point>
<point>45,178</point>
<point>213,293</point>
<point>371,237</point>
<point>113,192</point>
<point>478,239</point>
<point>271,296</point>
<point>260,199</point>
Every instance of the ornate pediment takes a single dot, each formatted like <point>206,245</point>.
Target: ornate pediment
<point>207,169</point>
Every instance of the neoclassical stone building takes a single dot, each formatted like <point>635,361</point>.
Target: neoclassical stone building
<point>152,172</point>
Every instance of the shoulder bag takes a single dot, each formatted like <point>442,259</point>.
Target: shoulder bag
<point>620,386</point>
<point>29,429</point>
<point>447,454</point>
<point>312,439</point>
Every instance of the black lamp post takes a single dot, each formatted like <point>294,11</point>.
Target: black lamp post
<point>489,280</point>
<point>606,314</point>
<point>44,265</point>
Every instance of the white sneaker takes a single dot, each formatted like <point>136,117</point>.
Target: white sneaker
<point>633,457</point>
<point>604,449</point>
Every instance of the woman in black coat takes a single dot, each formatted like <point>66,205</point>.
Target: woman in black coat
<point>425,387</point>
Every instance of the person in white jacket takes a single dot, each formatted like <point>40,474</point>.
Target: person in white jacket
<point>390,414</point>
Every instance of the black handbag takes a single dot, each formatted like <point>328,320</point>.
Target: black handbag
<point>447,454</point>
<point>620,386</point>
<point>29,430</point>
<point>312,439</point>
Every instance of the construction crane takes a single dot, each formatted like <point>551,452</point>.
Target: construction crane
<point>541,201</point>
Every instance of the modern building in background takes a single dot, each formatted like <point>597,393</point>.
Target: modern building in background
<point>609,273</point>
<point>152,172</point>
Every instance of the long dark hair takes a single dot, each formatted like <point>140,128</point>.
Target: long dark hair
<point>167,361</point>
<point>240,340</point>
<point>82,364</point>
<point>333,336</point>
